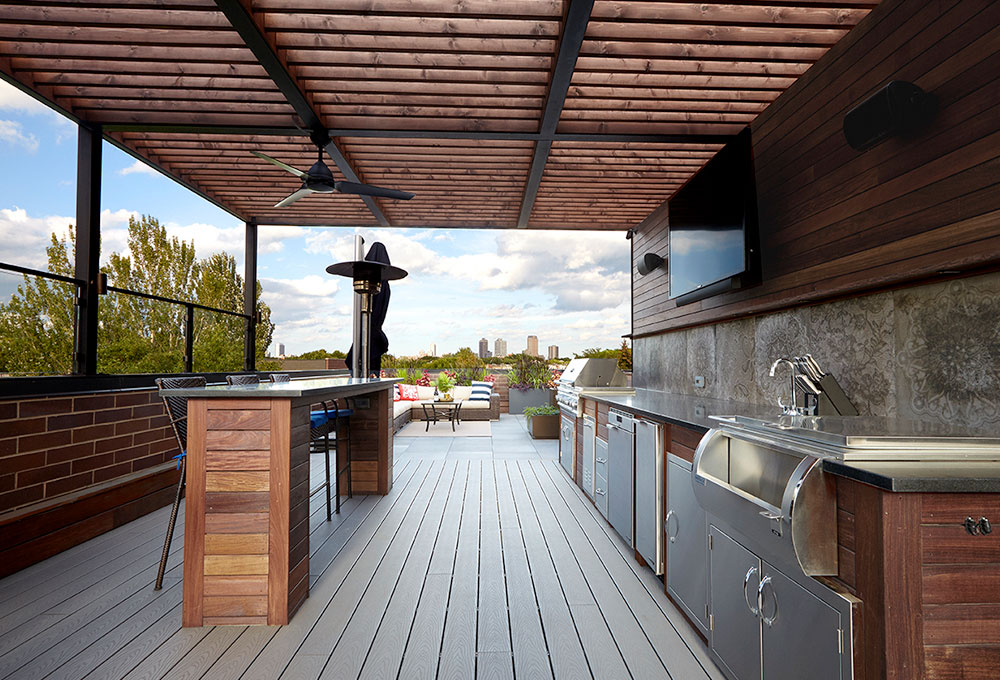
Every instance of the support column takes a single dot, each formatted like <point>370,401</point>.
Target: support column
<point>88,246</point>
<point>250,297</point>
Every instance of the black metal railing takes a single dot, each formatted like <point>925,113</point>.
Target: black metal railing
<point>190,307</point>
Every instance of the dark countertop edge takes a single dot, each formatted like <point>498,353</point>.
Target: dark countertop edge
<point>911,484</point>
<point>289,392</point>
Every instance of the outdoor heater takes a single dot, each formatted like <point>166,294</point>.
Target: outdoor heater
<point>368,277</point>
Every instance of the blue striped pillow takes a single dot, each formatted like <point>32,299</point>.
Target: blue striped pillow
<point>481,391</point>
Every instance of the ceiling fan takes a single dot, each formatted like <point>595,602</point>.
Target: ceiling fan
<point>319,180</point>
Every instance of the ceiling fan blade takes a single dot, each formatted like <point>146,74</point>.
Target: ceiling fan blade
<point>288,200</point>
<point>369,190</point>
<point>283,166</point>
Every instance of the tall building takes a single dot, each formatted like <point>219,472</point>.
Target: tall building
<point>553,351</point>
<point>532,346</point>
<point>484,348</point>
<point>434,349</point>
<point>500,348</point>
<point>281,350</point>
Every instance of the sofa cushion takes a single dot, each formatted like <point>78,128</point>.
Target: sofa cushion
<point>425,392</point>
<point>409,392</point>
<point>481,391</point>
<point>400,407</point>
<point>470,405</point>
<point>462,392</point>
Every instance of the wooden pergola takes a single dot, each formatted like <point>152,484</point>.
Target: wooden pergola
<point>537,114</point>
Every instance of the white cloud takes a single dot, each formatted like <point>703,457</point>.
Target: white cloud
<point>13,99</point>
<point>140,168</point>
<point>12,132</point>
<point>23,238</point>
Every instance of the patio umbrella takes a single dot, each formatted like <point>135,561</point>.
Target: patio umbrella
<point>378,343</point>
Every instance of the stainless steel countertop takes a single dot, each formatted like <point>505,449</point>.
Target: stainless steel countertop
<point>310,387</point>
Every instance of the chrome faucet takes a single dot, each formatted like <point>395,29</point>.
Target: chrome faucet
<point>791,409</point>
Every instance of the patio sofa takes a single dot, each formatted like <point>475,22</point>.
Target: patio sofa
<point>405,411</point>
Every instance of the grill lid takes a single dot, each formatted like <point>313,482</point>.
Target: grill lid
<point>593,373</point>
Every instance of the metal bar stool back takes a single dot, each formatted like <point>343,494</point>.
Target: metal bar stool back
<point>177,412</point>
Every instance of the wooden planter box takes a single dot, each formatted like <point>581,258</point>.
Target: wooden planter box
<point>544,427</point>
<point>519,400</point>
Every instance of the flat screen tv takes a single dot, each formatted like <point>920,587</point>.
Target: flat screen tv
<point>713,226</point>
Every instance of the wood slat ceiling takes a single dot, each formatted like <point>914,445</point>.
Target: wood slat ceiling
<point>177,84</point>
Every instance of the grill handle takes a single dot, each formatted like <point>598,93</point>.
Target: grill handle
<point>746,595</point>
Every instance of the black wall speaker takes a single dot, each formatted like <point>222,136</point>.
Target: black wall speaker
<point>648,263</point>
<point>899,108</point>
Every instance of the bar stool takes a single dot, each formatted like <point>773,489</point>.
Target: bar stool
<point>177,413</point>
<point>320,424</point>
<point>247,379</point>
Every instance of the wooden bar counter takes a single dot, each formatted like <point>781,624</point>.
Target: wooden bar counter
<point>246,531</point>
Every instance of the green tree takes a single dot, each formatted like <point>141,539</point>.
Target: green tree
<point>625,357</point>
<point>36,325</point>
<point>135,335</point>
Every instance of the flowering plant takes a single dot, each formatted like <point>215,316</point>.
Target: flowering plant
<point>425,380</point>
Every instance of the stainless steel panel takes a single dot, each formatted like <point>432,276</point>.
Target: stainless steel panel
<point>567,443</point>
<point>621,441</point>
<point>801,635</point>
<point>686,530</point>
<point>587,451</point>
<point>600,458</point>
<point>601,494</point>
<point>649,455</point>
<point>735,634</point>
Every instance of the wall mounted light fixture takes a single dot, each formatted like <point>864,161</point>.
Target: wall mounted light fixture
<point>648,263</point>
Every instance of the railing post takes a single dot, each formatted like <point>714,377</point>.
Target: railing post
<point>250,297</point>
<point>88,246</point>
<point>189,340</point>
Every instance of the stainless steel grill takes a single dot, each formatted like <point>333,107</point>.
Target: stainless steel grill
<point>589,376</point>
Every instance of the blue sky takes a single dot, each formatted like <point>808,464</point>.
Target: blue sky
<point>570,289</point>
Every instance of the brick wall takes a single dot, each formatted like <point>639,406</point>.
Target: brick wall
<point>55,445</point>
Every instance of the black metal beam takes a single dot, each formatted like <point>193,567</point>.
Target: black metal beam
<point>250,297</point>
<point>574,28</point>
<point>195,128</point>
<point>88,247</point>
<point>242,20</point>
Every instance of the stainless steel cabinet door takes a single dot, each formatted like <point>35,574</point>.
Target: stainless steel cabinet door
<point>735,634</point>
<point>567,443</point>
<point>601,476</point>
<point>588,456</point>
<point>620,478</point>
<point>649,493</point>
<point>801,634</point>
<point>686,529</point>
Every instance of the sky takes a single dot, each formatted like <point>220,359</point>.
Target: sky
<point>569,288</point>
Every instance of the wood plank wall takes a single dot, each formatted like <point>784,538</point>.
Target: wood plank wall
<point>837,222</point>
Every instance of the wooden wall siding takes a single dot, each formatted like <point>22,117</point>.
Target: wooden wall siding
<point>58,445</point>
<point>407,70</point>
<point>602,420</point>
<point>370,443</point>
<point>836,222</point>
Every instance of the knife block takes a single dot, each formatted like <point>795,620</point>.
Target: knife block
<point>832,400</point>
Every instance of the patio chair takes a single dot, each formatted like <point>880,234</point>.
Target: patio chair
<point>320,424</point>
<point>177,412</point>
<point>249,379</point>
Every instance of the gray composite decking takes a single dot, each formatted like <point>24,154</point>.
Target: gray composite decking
<point>484,561</point>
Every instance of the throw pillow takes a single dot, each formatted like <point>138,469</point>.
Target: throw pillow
<point>395,392</point>
<point>408,393</point>
<point>481,391</point>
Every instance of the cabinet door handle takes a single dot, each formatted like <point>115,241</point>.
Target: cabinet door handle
<point>972,526</point>
<point>602,460</point>
<point>984,526</point>
<point>768,620</point>
<point>671,515</point>
<point>746,596</point>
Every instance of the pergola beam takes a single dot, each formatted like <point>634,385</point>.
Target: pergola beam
<point>253,36</point>
<point>574,29</point>
<point>88,247</point>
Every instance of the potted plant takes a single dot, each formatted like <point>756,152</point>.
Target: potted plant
<point>530,383</point>
<point>444,385</point>
<point>543,421</point>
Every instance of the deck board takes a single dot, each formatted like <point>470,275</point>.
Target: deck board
<point>476,565</point>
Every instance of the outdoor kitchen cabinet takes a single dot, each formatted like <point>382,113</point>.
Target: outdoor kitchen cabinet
<point>764,626</point>
<point>649,461</point>
<point>587,481</point>
<point>601,476</point>
<point>621,473</point>
<point>567,443</point>
<point>686,530</point>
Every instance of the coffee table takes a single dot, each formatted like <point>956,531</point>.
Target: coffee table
<point>445,410</point>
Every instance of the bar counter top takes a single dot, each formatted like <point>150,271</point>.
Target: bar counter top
<point>959,476</point>
<point>309,387</point>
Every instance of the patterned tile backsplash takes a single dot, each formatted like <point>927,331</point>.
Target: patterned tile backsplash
<point>929,352</point>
